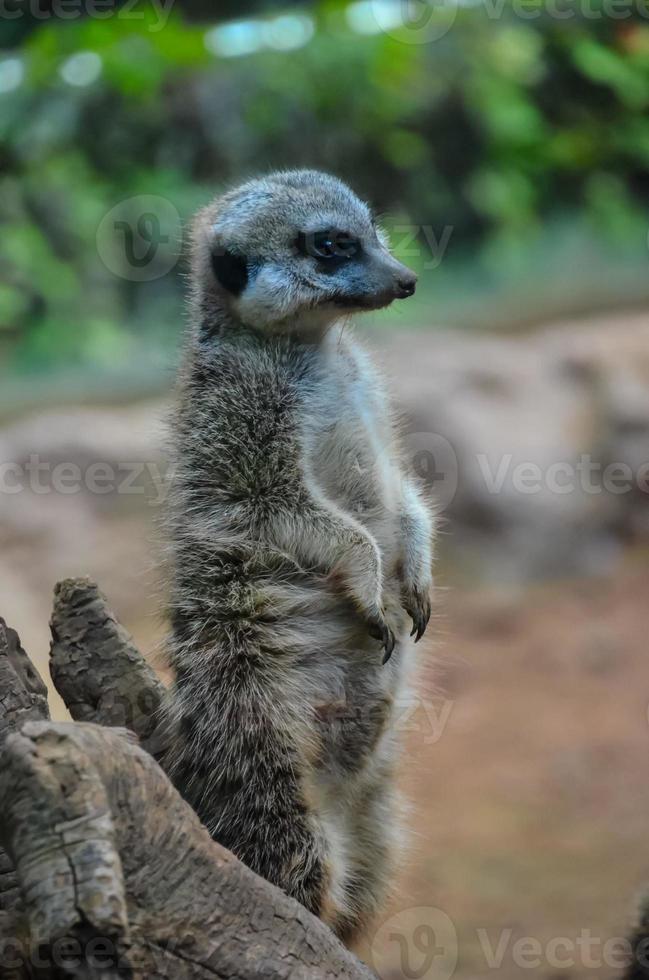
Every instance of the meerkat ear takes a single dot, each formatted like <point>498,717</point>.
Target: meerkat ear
<point>231,270</point>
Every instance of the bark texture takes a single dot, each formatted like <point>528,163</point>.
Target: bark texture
<point>108,874</point>
<point>23,694</point>
<point>97,669</point>
<point>23,698</point>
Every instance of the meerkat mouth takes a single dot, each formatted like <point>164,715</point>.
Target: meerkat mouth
<point>376,302</point>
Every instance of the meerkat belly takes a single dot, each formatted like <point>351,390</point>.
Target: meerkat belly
<point>339,798</point>
<point>354,705</point>
<point>354,697</point>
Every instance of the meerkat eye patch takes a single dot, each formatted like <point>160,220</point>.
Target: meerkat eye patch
<point>331,248</point>
<point>230,269</point>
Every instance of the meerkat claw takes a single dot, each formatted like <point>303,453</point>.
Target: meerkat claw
<point>419,612</point>
<point>388,644</point>
<point>378,629</point>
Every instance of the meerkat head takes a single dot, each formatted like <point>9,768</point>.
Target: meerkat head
<point>294,251</point>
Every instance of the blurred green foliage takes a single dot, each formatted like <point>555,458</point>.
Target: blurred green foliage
<point>500,129</point>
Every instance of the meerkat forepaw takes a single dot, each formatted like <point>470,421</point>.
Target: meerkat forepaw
<point>418,606</point>
<point>379,630</point>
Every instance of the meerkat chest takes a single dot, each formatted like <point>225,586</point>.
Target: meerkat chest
<point>348,443</point>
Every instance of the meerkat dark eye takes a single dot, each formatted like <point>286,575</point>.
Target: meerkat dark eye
<point>331,247</point>
<point>231,270</point>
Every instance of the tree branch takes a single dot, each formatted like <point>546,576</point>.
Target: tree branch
<point>23,694</point>
<point>115,876</point>
<point>97,669</point>
<point>109,856</point>
<point>23,697</point>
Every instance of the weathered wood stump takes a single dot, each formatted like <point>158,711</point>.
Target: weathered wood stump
<point>106,872</point>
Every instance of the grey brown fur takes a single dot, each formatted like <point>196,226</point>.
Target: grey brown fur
<point>299,546</point>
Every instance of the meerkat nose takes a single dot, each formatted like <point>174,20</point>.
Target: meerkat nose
<point>405,287</point>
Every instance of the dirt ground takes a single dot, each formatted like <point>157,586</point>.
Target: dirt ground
<point>527,773</point>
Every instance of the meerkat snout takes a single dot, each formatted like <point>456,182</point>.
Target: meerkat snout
<point>402,281</point>
<point>406,286</point>
<point>294,251</point>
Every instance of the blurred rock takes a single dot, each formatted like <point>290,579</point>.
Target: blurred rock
<point>550,439</point>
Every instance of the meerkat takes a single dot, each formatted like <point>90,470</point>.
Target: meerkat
<point>301,549</point>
